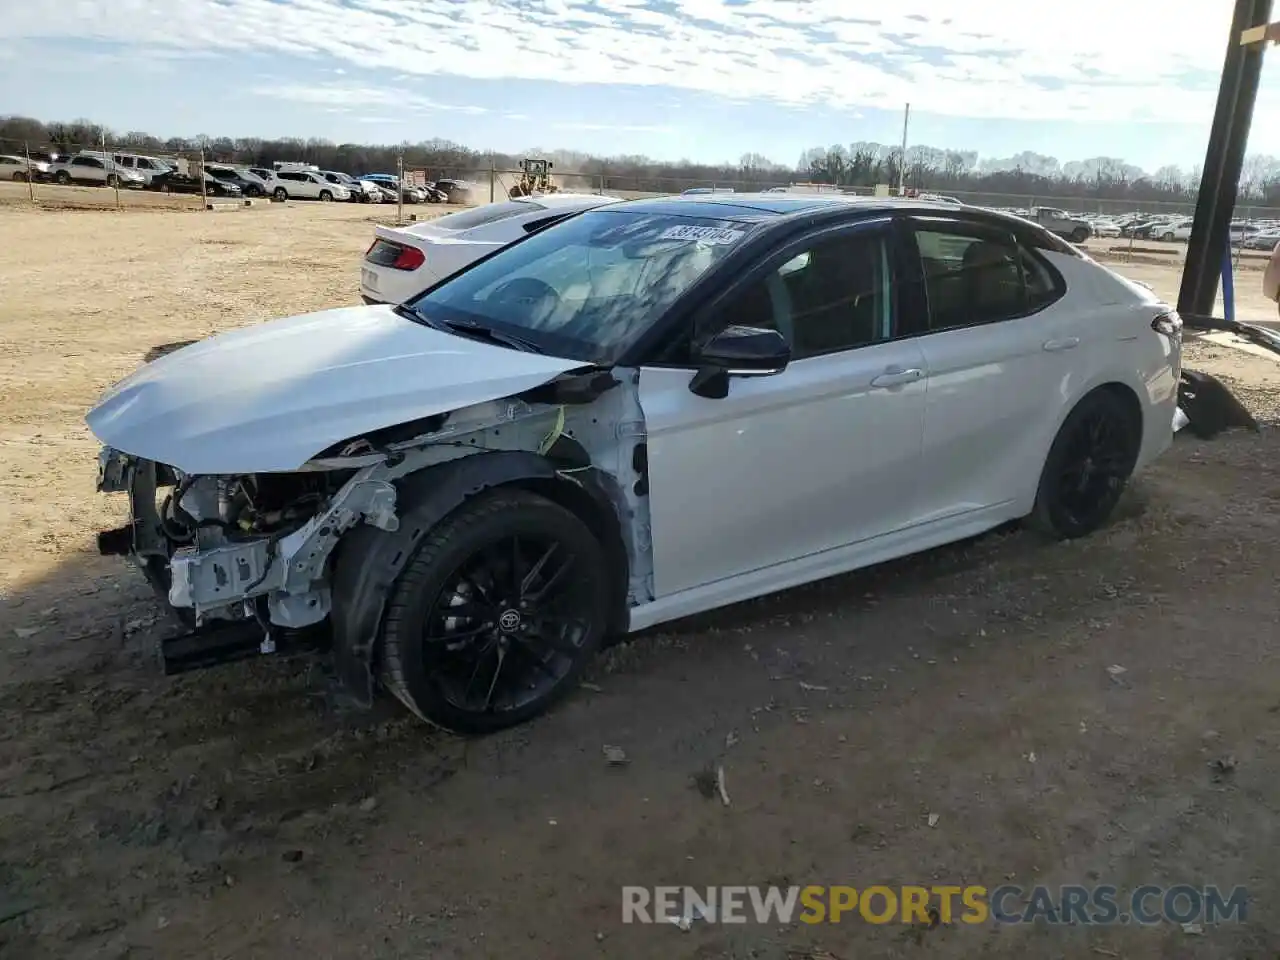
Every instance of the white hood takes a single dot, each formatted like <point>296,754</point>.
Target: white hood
<point>270,397</point>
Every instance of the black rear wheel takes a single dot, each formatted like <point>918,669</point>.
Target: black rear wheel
<point>497,614</point>
<point>1089,464</point>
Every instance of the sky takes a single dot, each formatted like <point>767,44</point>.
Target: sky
<point>705,80</point>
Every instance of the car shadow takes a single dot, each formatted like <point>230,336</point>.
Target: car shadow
<point>211,774</point>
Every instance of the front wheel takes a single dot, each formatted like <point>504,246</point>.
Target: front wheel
<point>1088,465</point>
<point>20,177</point>
<point>495,617</point>
<point>1079,235</point>
<point>281,194</point>
<point>326,196</point>
<point>63,178</point>
<point>1167,238</point>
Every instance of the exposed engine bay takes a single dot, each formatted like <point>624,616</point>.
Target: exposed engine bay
<point>259,549</point>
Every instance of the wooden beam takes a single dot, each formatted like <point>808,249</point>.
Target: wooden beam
<point>1261,35</point>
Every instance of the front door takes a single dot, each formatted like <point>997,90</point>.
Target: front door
<point>822,455</point>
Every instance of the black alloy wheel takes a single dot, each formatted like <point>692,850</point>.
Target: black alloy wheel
<point>1088,466</point>
<point>497,614</point>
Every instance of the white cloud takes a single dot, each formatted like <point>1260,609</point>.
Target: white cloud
<point>341,98</point>
<point>624,127</point>
<point>1087,59</point>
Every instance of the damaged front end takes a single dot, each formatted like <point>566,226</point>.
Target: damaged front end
<point>248,562</point>
<point>239,559</point>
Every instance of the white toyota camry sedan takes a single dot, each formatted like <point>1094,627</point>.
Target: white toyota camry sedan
<point>648,410</point>
<point>404,261</point>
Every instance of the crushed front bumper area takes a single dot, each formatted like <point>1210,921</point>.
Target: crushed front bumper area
<point>237,594</point>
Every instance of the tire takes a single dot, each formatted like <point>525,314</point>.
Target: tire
<point>19,177</point>
<point>326,196</point>
<point>1079,235</point>
<point>280,193</point>
<point>483,536</point>
<point>1167,238</point>
<point>63,178</point>
<point>253,192</point>
<point>1083,478</point>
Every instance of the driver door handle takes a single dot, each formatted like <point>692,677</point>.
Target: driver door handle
<point>895,377</point>
<point>1067,343</point>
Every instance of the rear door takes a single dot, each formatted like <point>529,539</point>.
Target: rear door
<point>998,339</point>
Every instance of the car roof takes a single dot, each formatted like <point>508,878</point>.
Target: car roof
<point>757,207</point>
<point>552,200</point>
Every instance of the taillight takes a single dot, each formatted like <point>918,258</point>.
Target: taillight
<point>1170,324</point>
<point>398,256</point>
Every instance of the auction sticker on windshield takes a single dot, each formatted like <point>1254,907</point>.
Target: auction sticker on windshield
<point>716,235</point>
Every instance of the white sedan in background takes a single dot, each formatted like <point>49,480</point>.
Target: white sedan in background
<point>404,261</point>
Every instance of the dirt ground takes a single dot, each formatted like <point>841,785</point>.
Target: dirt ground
<point>235,814</point>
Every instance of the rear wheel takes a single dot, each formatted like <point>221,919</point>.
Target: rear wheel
<point>63,178</point>
<point>1088,465</point>
<point>113,181</point>
<point>20,177</point>
<point>1167,237</point>
<point>1079,235</point>
<point>497,614</point>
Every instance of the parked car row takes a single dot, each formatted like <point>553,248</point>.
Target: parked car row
<point>281,181</point>
<point>1254,234</point>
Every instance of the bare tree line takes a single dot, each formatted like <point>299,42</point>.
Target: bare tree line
<point>861,164</point>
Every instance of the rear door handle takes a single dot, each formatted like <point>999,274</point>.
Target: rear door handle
<point>1067,343</point>
<point>895,378</point>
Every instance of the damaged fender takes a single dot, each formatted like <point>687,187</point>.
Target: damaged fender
<point>371,560</point>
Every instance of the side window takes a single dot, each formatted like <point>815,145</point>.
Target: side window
<point>834,296</point>
<point>973,278</point>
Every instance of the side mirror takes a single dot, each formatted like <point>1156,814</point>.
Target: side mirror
<point>738,352</point>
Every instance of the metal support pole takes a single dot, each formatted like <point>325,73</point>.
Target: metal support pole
<point>110,165</point>
<point>902,165</point>
<point>1224,159</point>
<point>1228,287</point>
<point>493,177</point>
<point>400,189</point>
<point>204,187</point>
<point>31,177</point>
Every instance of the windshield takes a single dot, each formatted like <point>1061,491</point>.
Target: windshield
<point>585,288</point>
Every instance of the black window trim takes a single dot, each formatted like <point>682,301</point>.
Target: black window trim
<point>770,259</point>
<point>983,228</point>
<point>532,226</point>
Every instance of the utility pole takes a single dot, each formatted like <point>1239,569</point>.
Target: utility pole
<point>902,161</point>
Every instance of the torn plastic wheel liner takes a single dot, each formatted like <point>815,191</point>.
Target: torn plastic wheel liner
<point>1208,407</point>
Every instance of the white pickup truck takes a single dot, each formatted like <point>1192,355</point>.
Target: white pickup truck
<point>1062,223</point>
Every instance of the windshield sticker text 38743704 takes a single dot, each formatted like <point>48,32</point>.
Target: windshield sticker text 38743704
<point>714,235</point>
